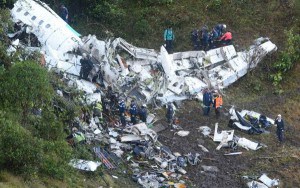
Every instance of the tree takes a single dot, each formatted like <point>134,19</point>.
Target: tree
<point>25,86</point>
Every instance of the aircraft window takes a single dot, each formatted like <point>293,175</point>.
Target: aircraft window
<point>48,25</point>
<point>26,13</point>
<point>41,22</point>
<point>19,9</point>
<point>33,17</point>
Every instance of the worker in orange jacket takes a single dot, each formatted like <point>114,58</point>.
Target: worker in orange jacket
<point>226,38</point>
<point>218,103</point>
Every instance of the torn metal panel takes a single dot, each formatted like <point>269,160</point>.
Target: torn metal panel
<point>84,165</point>
<point>130,138</point>
<point>218,137</point>
<point>268,181</point>
<point>248,144</point>
<point>86,86</point>
<point>256,184</point>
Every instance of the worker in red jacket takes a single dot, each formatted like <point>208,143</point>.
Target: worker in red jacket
<point>226,38</point>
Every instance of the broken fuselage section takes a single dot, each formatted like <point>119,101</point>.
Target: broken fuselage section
<point>149,75</point>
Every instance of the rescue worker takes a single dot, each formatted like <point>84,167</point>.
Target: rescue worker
<point>77,137</point>
<point>98,110</point>
<point>64,13</point>
<point>169,38</point>
<point>122,109</point>
<point>170,113</point>
<point>280,128</point>
<point>86,66</point>
<point>207,102</point>
<point>204,38</point>
<point>195,39</point>
<point>226,38</point>
<point>143,113</point>
<point>133,112</point>
<point>220,29</point>
<point>218,103</point>
<point>213,38</point>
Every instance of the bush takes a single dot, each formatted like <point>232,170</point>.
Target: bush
<point>19,151</point>
<point>28,84</point>
<point>287,58</point>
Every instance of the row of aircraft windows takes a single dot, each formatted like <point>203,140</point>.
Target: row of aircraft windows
<point>33,18</point>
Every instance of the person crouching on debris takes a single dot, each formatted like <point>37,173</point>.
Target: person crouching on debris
<point>169,38</point>
<point>133,112</point>
<point>64,13</point>
<point>77,137</point>
<point>122,109</point>
<point>143,113</point>
<point>226,38</point>
<point>170,113</point>
<point>220,28</point>
<point>218,103</point>
<point>280,128</point>
<point>207,102</point>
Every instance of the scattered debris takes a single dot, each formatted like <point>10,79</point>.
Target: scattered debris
<point>249,121</point>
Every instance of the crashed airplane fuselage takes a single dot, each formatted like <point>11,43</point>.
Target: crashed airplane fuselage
<point>144,73</point>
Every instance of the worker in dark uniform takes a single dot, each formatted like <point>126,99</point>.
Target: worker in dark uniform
<point>207,102</point>
<point>143,113</point>
<point>122,109</point>
<point>195,39</point>
<point>170,113</point>
<point>64,13</point>
<point>133,112</point>
<point>280,128</point>
<point>86,66</point>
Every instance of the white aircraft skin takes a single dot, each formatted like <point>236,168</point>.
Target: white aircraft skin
<point>184,74</point>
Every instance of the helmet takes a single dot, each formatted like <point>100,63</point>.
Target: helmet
<point>74,129</point>
<point>144,105</point>
<point>224,26</point>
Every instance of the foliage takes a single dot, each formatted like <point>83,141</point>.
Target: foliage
<point>5,26</point>
<point>23,153</point>
<point>287,58</point>
<point>28,84</point>
<point>19,152</point>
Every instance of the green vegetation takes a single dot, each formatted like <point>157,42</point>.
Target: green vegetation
<point>287,57</point>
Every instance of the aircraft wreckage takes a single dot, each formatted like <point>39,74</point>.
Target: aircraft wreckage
<point>148,75</point>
